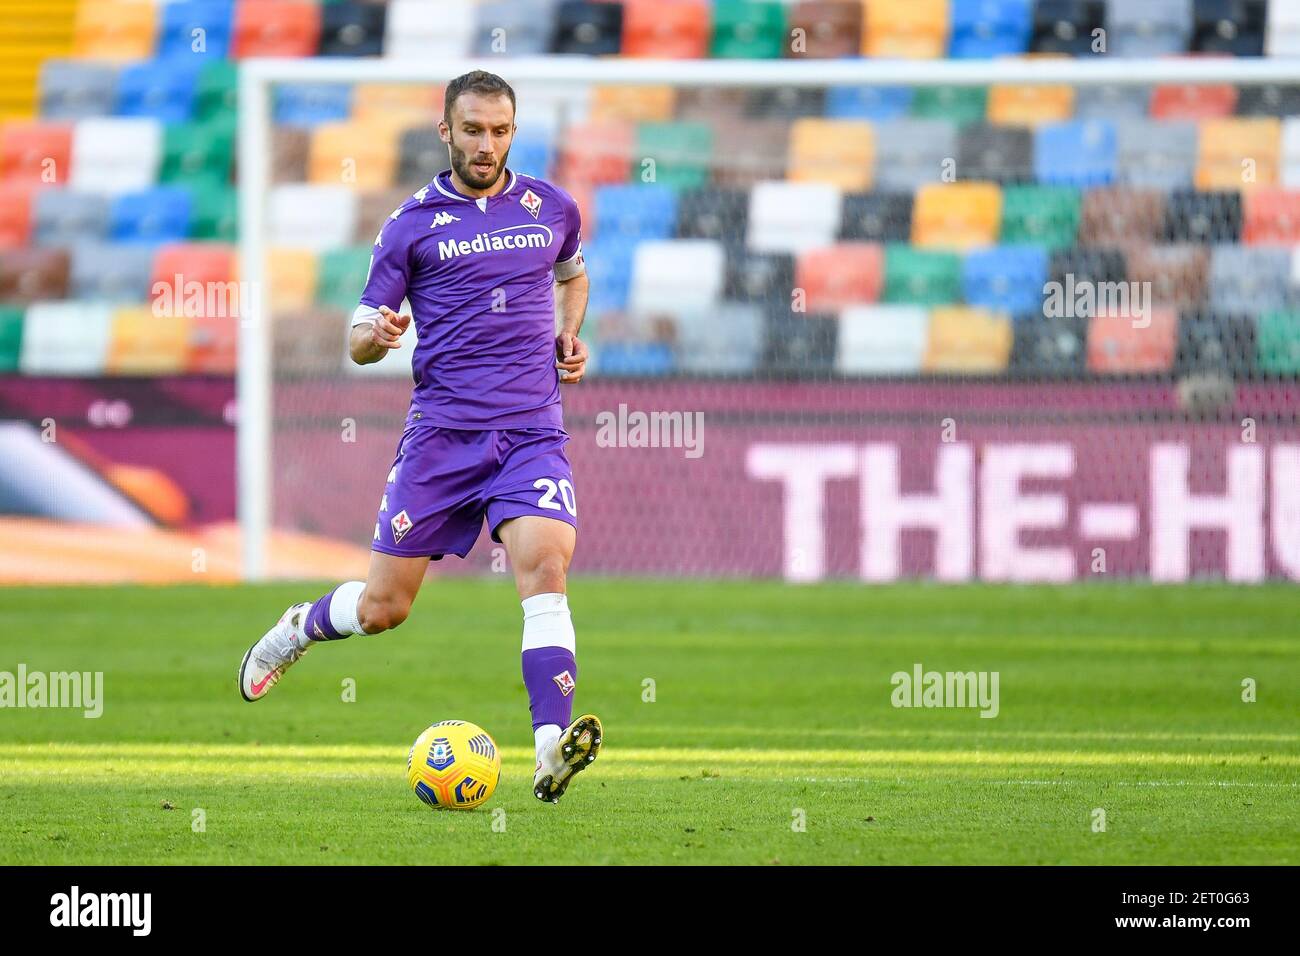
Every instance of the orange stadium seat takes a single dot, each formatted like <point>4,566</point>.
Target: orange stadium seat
<point>15,214</point>
<point>833,277</point>
<point>1010,105</point>
<point>912,29</point>
<point>1186,102</point>
<point>292,275</point>
<point>1272,217</point>
<point>397,104</point>
<point>275,28</point>
<point>1238,152</point>
<point>35,152</point>
<point>957,215</point>
<point>1116,345</point>
<point>967,339</point>
<point>824,29</point>
<point>141,343</point>
<point>666,29</point>
<point>359,155</point>
<point>637,104</point>
<point>210,264</point>
<point>30,274</point>
<point>840,152</point>
<point>115,30</point>
<point>213,346</point>
<point>596,153</point>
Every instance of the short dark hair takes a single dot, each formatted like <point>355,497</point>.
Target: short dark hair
<point>475,81</point>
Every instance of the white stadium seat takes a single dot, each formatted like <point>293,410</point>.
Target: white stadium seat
<point>882,339</point>
<point>65,338</point>
<point>115,154</point>
<point>427,31</point>
<point>675,276</point>
<point>311,217</point>
<point>791,216</point>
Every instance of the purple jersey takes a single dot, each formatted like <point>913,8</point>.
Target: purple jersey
<point>479,276</point>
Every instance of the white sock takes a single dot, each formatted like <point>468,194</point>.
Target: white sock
<point>543,737</point>
<point>344,606</point>
<point>548,623</point>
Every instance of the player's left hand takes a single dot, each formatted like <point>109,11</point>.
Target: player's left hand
<point>570,357</point>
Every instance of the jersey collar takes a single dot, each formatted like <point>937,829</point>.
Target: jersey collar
<point>442,183</point>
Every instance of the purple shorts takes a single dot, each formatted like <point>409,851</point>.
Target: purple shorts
<point>444,481</point>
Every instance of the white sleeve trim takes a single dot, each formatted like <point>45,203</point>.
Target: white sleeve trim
<point>365,315</point>
<point>570,267</point>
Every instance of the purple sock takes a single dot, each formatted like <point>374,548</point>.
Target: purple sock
<point>550,674</point>
<point>317,625</point>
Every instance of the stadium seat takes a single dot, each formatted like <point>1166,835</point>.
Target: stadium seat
<point>1272,217</point>
<point>791,217</point>
<point>341,276</point>
<point>1203,217</point>
<point>639,104</point>
<point>206,265</point>
<point>709,213</point>
<point>360,155</point>
<point>65,338</point>
<point>1189,102</point>
<point>115,155</point>
<point>1177,274</point>
<point>984,29</point>
<point>1047,216</point>
<point>1049,347</point>
<point>882,340</point>
<point>839,152</point>
<point>833,277</point>
<point>761,278</point>
<point>164,90</point>
<point>955,104</point>
<point>1159,155</point>
<point>1148,28</point>
<point>1112,102</point>
<point>292,276</point>
<point>1116,216</point>
<point>1289,160</point>
<point>788,103</point>
<point>1030,104</point>
<point>160,214</point>
<point>38,153</point>
<point>1005,278</point>
<point>666,29</point>
<point>876,217</point>
<point>1234,27</point>
<point>141,343</point>
<point>967,340</point>
<point>310,340</point>
<point>1120,342</point>
<point>214,211</point>
<point>216,94</point>
<point>767,147</point>
<point>15,214</point>
<point>678,154</point>
<point>641,359</point>
<point>1095,265</point>
<point>677,276</point>
<point>874,103</point>
<point>11,337</point>
<point>588,28</point>
<point>1215,342</point>
<point>1282,33</point>
<point>920,277</point>
<point>912,29</point>
<point>1238,153</point>
<point>1066,26</point>
<point>529,154</point>
<point>1277,339</point>
<point>213,346</point>
<point>1246,279</point>
<point>115,30</point>
<point>32,274</point>
<point>642,211</point>
<point>911,153</point>
<point>748,29</point>
<point>411,33</point>
<point>421,155</point>
<point>725,339</point>
<point>350,28</point>
<point>61,217</point>
<point>957,215</point>
<point>1268,99</point>
<point>1000,154</point>
<point>798,345</point>
<point>824,29</point>
<point>288,28</point>
<point>374,207</point>
<point>512,27</point>
<point>310,104</point>
<point>1076,154</point>
<point>196,152</point>
<point>112,272</point>
<point>597,153</point>
<point>72,90</point>
<point>195,26</point>
<point>609,267</point>
<point>311,217</point>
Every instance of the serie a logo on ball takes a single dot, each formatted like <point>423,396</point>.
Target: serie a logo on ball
<point>453,765</point>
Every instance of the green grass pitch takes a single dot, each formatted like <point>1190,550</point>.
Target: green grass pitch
<point>771,708</point>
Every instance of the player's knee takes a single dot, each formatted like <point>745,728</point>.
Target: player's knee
<point>380,613</point>
<point>546,572</point>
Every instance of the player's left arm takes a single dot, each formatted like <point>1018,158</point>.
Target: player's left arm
<point>571,287</point>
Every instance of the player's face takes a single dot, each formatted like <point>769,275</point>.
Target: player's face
<point>478,137</point>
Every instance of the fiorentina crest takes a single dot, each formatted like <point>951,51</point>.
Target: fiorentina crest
<point>564,680</point>
<point>532,202</point>
<point>402,523</point>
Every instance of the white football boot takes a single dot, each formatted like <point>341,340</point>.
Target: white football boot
<point>277,651</point>
<point>577,746</point>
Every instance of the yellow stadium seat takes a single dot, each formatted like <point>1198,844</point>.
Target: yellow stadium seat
<point>967,339</point>
<point>115,30</point>
<point>293,279</point>
<point>640,104</point>
<point>957,215</point>
<point>141,343</point>
<point>398,104</point>
<point>1010,105</point>
<point>360,155</point>
<point>912,29</point>
<point>1238,152</point>
<point>840,152</point>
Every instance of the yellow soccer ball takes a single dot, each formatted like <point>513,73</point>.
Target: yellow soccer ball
<point>453,765</point>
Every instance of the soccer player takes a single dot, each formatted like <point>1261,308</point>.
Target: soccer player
<point>489,259</point>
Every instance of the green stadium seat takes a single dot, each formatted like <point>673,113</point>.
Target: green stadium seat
<point>214,211</point>
<point>342,277</point>
<point>748,29</point>
<point>682,153</point>
<point>921,277</point>
<point>217,91</point>
<point>1277,341</point>
<point>196,151</point>
<point>11,336</point>
<point>1042,215</point>
<point>956,104</point>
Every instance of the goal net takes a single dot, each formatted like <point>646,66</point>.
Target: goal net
<point>1031,320</point>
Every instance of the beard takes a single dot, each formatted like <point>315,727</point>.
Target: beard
<point>461,163</point>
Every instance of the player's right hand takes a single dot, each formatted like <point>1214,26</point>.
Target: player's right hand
<point>386,331</point>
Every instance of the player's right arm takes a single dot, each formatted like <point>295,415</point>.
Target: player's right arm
<point>376,326</point>
<point>372,339</point>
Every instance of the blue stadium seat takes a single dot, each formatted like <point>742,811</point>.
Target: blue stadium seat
<point>1076,153</point>
<point>532,155</point>
<point>310,104</point>
<point>609,264</point>
<point>112,272</point>
<point>1008,278</point>
<point>198,29</point>
<point>163,89</point>
<point>982,29</point>
<point>155,215</point>
<point>73,90</point>
<point>725,339</point>
<point>1148,28</point>
<point>634,358</point>
<point>525,26</point>
<point>643,211</point>
<point>868,102</point>
<point>1250,279</point>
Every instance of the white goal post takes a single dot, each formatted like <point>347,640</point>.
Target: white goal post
<point>258,76</point>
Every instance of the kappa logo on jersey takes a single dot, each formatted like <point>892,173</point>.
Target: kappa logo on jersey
<point>402,523</point>
<point>564,681</point>
<point>442,218</point>
<point>532,202</point>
